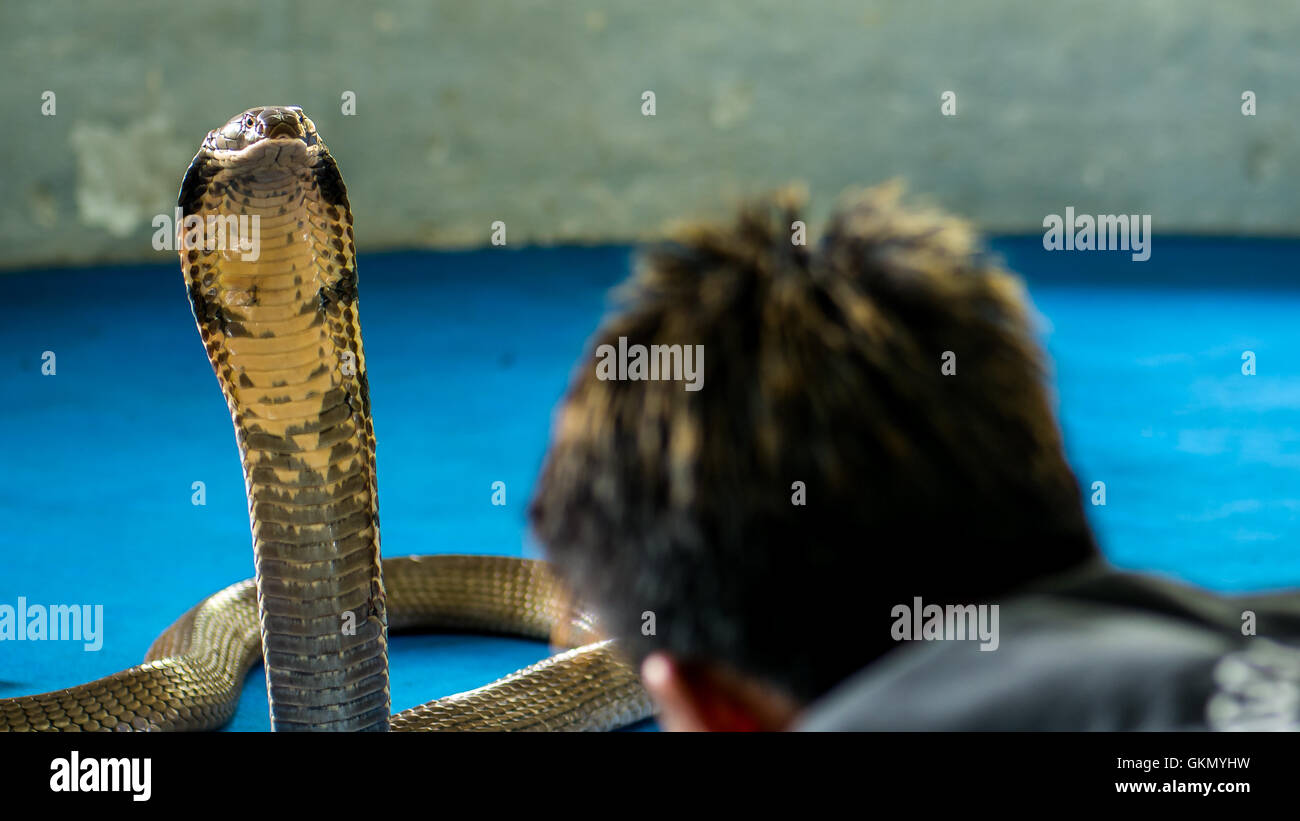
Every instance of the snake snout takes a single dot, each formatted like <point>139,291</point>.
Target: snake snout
<point>282,123</point>
<point>246,137</point>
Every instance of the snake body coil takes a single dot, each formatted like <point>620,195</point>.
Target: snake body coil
<point>281,329</point>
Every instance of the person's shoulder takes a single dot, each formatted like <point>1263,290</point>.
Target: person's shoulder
<point>1098,650</point>
<point>1275,614</point>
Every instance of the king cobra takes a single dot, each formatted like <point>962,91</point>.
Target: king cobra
<point>283,336</point>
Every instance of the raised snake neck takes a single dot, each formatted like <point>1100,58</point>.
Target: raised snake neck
<point>283,336</point>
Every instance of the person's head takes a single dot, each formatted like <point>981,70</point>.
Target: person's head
<point>872,424</point>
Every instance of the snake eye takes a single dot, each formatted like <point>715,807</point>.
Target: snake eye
<point>249,122</point>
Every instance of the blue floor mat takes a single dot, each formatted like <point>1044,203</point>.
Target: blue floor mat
<point>468,352</point>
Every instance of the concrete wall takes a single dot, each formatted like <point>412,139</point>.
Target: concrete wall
<point>530,112</point>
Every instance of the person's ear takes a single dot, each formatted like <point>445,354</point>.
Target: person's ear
<point>694,699</point>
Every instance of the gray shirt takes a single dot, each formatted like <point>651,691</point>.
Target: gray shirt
<point>1094,650</point>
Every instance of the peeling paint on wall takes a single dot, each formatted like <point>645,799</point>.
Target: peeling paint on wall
<point>124,176</point>
<point>531,113</point>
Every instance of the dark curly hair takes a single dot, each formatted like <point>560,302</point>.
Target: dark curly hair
<point>825,367</point>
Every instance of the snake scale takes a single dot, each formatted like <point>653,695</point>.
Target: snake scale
<point>283,335</point>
